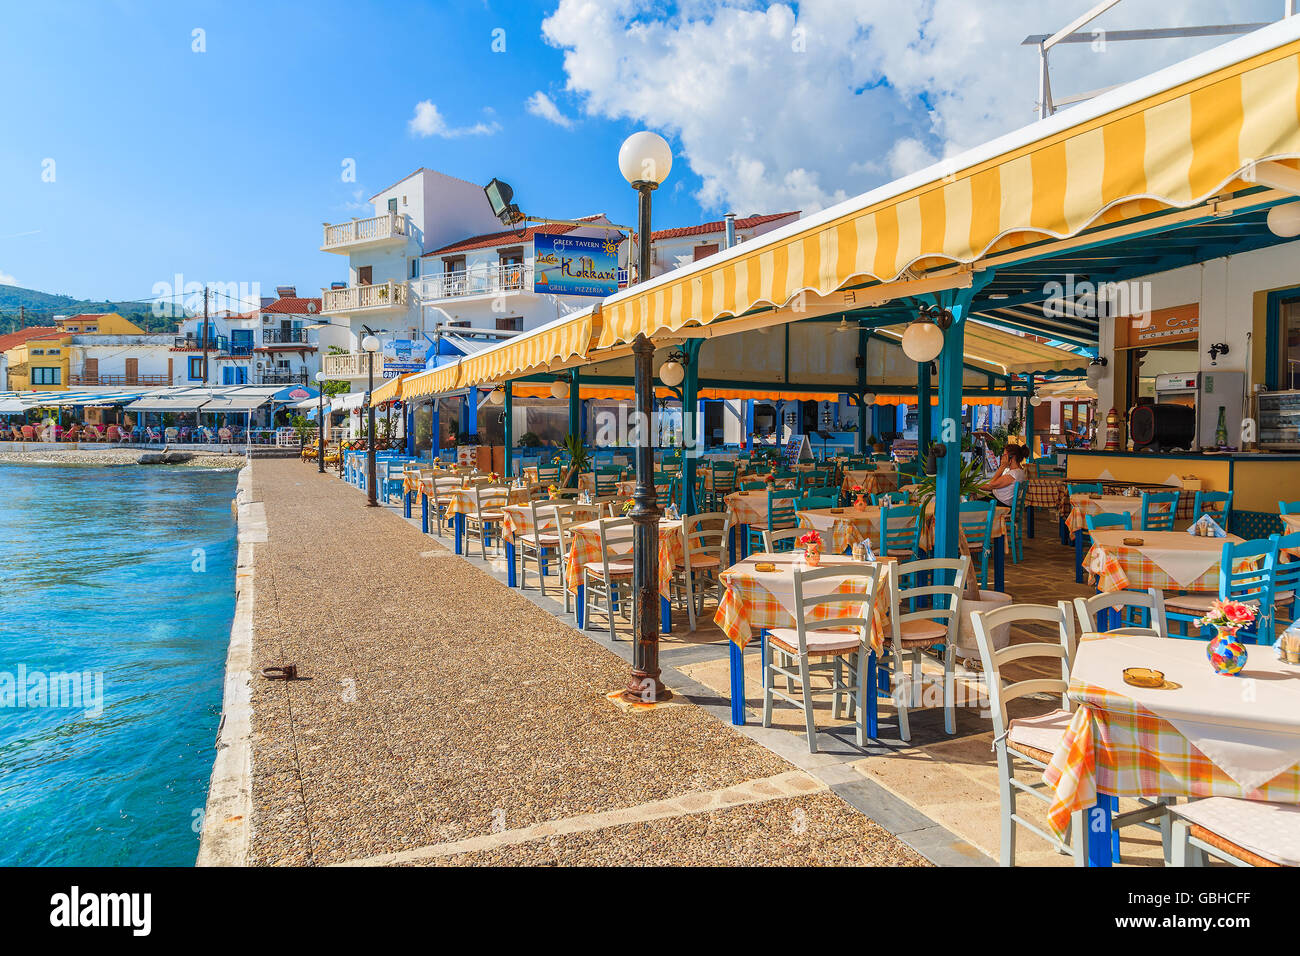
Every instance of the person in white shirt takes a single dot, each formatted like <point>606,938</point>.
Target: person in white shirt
<point>1010,470</point>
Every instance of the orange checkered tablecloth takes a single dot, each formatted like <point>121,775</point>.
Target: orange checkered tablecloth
<point>1114,566</point>
<point>872,482</point>
<point>519,518</point>
<point>461,500</point>
<point>1083,505</point>
<point>584,549</point>
<point>748,604</point>
<point>842,531</point>
<point>1117,747</point>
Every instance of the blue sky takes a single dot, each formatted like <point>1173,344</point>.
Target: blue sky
<point>221,165</point>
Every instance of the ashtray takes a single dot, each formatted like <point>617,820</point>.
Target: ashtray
<point>1144,677</point>
<point>765,566</point>
<point>1133,542</point>
<point>837,511</point>
<point>1093,495</point>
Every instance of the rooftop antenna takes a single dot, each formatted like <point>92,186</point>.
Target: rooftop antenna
<point>1047,105</point>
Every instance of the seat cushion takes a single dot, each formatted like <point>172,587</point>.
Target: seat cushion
<point>486,515</point>
<point>1195,603</point>
<point>922,633</point>
<point>1036,736</point>
<point>701,561</point>
<point>616,569</point>
<point>1268,830</point>
<point>819,642</point>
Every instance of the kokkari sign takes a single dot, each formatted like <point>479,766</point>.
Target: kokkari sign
<point>565,265</point>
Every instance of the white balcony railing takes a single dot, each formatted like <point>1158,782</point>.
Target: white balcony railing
<point>390,225</point>
<point>362,298</point>
<point>491,280</point>
<point>346,365</point>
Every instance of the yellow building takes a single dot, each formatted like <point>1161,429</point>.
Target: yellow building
<point>40,364</point>
<point>98,323</point>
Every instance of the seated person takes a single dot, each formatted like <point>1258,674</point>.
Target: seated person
<point>1010,470</point>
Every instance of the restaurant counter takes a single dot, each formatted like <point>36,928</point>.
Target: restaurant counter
<point>1258,480</point>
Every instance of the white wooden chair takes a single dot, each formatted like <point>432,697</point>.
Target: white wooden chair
<point>1151,601</point>
<point>823,646</point>
<point>704,558</point>
<point>441,499</point>
<point>567,514</point>
<point>542,545</point>
<point>773,540</point>
<point>607,584</point>
<point>924,627</point>
<point>1034,740</point>
<point>1240,832</point>
<point>486,516</point>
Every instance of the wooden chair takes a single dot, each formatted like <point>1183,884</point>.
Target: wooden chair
<point>815,502</point>
<point>1287,508</point>
<point>1084,488</point>
<point>486,516</point>
<point>724,483</point>
<point>1109,519</point>
<point>1253,586</point>
<point>925,617</point>
<point>1159,520</point>
<point>778,542</point>
<point>440,499</point>
<point>1240,832</point>
<point>975,521</point>
<point>890,498</point>
<point>704,558</point>
<point>606,478</point>
<point>1016,523</point>
<point>1286,577</point>
<point>900,532</point>
<point>1216,504</point>
<point>548,474</point>
<point>1094,613</point>
<point>542,546</point>
<point>607,583</point>
<point>823,646</point>
<point>1030,741</point>
<point>781,509</point>
<point>566,515</point>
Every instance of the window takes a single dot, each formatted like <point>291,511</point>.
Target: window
<point>196,368</point>
<point>512,323</point>
<point>364,274</point>
<point>234,375</point>
<point>47,376</point>
<point>703,252</point>
<point>38,351</point>
<point>392,204</point>
<point>453,264</point>
<point>415,268</point>
<point>1290,340</point>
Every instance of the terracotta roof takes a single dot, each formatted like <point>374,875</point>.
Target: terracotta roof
<point>87,315</point>
<point>720,226</point>
<point>22,335</point>
<point>294,306</point>
<point>507,237</point>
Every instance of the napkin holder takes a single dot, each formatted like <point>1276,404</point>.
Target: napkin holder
<point>1207,527</point>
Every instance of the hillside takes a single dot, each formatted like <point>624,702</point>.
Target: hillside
<point>41,307</point>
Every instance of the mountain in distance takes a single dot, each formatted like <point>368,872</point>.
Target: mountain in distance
<point>41,308</point>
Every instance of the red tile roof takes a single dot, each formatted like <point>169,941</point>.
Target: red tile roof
<point>22,335</point>
<point>507,237</point>
<point>294,306</point>
<point>720,226</point>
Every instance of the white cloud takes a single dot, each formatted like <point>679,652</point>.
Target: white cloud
<point>7,279</point>
<point>774,111</point>
<point>428,121</point>
<point>539,104</point>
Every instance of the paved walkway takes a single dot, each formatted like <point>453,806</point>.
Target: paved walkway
<point>443,718</point>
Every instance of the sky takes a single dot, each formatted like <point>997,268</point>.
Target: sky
<point>142,141</point>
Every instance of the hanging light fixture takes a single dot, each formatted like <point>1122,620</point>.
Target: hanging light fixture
<point>1035,400</point>
<point>673,372</point>
<point>1284,221</point>
<point>560,388</point>
<point>497,396</point>
<point>844,326</point>
<point>1097,371</point>
<point>923,339</point>
<point>868,398</point>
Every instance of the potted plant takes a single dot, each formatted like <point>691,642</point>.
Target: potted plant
<point>970,483</point>
<point>579,460</point>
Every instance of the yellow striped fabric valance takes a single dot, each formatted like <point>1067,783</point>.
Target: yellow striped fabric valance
<point>389,391</point>
<point>534,350</point>
<point>1176,147</point>
<point>436,381</point>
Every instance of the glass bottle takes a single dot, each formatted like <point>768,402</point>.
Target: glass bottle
<point>1221,430</point>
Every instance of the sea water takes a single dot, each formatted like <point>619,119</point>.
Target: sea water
<point>116,600</point>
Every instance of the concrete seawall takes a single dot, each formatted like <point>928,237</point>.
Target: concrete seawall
<point>227,820</point>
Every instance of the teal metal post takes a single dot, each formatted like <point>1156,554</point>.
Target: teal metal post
<point>690,423</point>
<point>575,405</point>
<point>1029,420</point>
<point>509,431</point>
<point>924,429</point>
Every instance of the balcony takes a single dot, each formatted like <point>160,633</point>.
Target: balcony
<point>278,376</point>
<point>386,297</point>
<point>99,378</point>
<point>344,237</point>
<point>285,337</point>
<point>347,365</point>
<point>493,280</point>
<point>195,343</point>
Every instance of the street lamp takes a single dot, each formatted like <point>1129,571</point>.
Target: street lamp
<point>320,422</point>
<point>645,161</point>
<point>370,345</point>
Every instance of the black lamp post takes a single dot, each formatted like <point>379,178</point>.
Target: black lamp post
<point>371,345</point>
<point>645,161</point>
<point>320,422</point>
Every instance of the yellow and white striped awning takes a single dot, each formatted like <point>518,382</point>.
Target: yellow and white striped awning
<point>390,390</point>
<point>1006,353</point>
<point>1174,139</point>
<point>435,381</point>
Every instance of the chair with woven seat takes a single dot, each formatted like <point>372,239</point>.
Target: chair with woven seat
<point>439,501</point>
<point>1159,509</point>
<point>779,542</point>
<point>566,514</point>
<point>1095,613</point>
<point>1100,521</point>
<point>1031,741</point>
<point>1240,832</point>
<point>1016,523</point>
<point>486,516</point>
<point>548,474</point>
<point>1286,577</point>
<point>1252,584</point>
<point>900,532</point>
<point>889,498</point>
<point>607,582</point>
<point>925,617</point>
<point>606,479</point>
<point>975,520</point>
<point>815,502</point>
<point>824,646</point>
<point>1216,504</point>
<point>704,558</point>
<point>781,507</point>
<point>543,546</point>
<point>723,483</point>
<point>1084,488</point>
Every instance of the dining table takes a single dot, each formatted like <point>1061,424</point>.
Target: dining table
<point>755,600</point>
<point>873,481</point>
<point>1081,506</point>
<point>517,523</point>
<point>584,549</point>
<point>462,501</point>
<point>1121,560</point>
<point>1197,734</point>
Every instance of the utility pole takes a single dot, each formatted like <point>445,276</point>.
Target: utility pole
<point>22,317</point>
<point>205,335</point>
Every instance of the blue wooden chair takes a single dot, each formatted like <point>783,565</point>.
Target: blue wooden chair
<point>1288,507</point>
<point>1216,504</point>
<point>1155,517</point>
<point>889,498</point>
<point>1286,576</point>
<point>1108,519</point>
<point>975,519</point>
<point>900,532</point>
<point>815,502</point>
<point>1252,585</point>
<point>724,483</point>
<point>1016,523</point>
<point>781,507</point>
<point>1093,488</point>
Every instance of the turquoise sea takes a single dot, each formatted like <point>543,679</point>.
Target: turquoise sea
<point>116,588</point>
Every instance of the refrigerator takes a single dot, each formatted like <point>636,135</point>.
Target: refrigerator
<point>1220,390</point>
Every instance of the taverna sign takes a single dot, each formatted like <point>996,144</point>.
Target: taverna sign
<point>566,265</point>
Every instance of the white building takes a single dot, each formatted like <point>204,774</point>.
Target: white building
<point>672,248</point>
